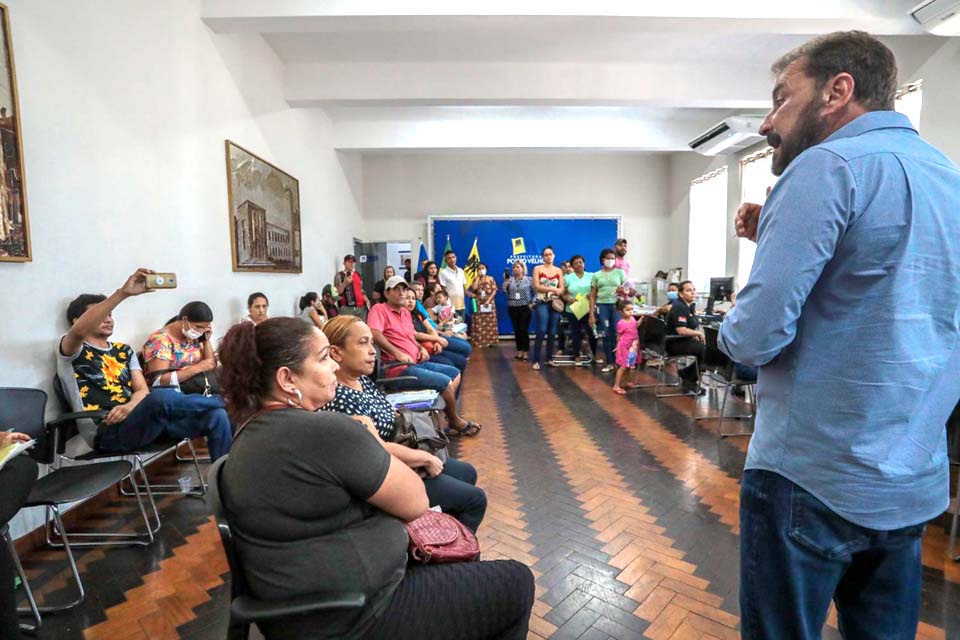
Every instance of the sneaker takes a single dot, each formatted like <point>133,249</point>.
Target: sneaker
<point>607,369</point>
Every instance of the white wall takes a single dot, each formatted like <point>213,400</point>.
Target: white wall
<point>401,190</point>
<point>125,107</point>
<point>940,118</point>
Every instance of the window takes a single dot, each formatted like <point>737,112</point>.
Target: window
<point>707,248</point>
<point>910,102</point>
<point>755,179</point>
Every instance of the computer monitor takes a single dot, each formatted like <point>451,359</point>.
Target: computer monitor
<point>721,288</point>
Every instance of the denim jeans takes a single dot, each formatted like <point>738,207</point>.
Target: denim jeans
<point>167,413</point>
<point>428,375</point>
<point>607,322</point>
<point>547,320</point>
<point>796,555</point>
<point>456,492</point>
<point>450,358</point>
<point>458,346</point>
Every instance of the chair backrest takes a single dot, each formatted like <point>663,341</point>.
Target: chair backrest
<point>238,585</point>
<point>23,410</point>
<point>714,358</point>
<point>654,332</point>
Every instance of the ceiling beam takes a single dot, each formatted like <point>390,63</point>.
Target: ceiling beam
<point>647,84</point>
<point>743,16</point>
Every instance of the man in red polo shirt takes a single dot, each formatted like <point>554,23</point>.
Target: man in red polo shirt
<point>393,331</point>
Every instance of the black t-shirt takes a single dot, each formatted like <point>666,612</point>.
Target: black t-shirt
<point>295,490</point>
<point>681,314</point>
<point>369,402</point>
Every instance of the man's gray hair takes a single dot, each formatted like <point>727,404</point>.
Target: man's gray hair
<point>870,62</point>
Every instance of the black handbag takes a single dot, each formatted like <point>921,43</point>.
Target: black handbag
<point>421,430</point>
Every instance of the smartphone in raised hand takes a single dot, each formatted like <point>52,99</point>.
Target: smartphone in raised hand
<point>161,281</point>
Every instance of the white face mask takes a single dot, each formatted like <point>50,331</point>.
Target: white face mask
<point>483,272</point>
<point>609,263</point>
<point>191,333</point>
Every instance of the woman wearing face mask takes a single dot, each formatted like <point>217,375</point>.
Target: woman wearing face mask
<point>182,348</point>
<point>484,331</point>
<point>605,286</point>
<point>673,292</point>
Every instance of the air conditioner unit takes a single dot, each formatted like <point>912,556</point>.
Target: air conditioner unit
<point>939,17</point>
<point>729,136</point>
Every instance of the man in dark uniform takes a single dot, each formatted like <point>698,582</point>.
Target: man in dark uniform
<point>682,321</point>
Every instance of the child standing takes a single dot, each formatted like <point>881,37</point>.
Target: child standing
<point>628,345</point>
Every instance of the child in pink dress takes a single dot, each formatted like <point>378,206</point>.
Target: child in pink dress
<point>628,345</point>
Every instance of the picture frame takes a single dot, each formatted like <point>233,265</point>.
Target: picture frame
<point>14,218</point>
<point>264,210</point>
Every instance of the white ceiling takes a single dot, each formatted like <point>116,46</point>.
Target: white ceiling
<point>552,74</point>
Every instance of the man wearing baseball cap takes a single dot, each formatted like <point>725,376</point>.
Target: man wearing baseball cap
<point>393,331</point>
<point>350,286</point>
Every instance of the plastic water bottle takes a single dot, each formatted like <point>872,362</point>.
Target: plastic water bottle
<point>632,357</point>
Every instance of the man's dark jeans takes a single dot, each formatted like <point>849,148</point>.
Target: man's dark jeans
<point>796,555</point>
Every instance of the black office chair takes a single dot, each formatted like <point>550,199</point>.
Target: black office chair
<point>953,455</point>
<point>655,340</point>
<point>246,609</point>
<point>721,368</point>
<point>159,448</point>
<point>387,384</point>
<point>23,409</point>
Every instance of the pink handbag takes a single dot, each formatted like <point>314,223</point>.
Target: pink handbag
<point>439,537</point>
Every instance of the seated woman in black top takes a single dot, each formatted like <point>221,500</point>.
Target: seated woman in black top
<point>317,504</point>
<point>451,484</point>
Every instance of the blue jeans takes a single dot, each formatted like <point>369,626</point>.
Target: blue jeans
<point>607,322</point>
<point>456,492</point>
<point>449,357</point>
<point>429,375</point>
<point>458,346</point>
<point>796,555</point>
<point>167,413</point>
<point>547,320</point>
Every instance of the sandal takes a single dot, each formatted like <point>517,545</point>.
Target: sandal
<point>470,429</point>
<point>619,391</point>
<point>630,385</point>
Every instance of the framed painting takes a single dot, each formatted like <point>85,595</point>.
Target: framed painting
<point>14,223</point>
<point>264,214</point>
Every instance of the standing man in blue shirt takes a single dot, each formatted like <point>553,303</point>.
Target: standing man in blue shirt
<point>858,361</point>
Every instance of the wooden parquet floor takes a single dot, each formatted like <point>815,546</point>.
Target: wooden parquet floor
<point>625,508</point>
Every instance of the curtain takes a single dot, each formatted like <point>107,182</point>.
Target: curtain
<point>755,179</point>
<point>707,247</point>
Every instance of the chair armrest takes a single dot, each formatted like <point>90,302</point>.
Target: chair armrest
<point>247,609</point>
<point>393,365</point>
<point>387,383</point>
<point>76,415</point>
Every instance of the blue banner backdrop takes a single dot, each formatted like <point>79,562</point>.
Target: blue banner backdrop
<point>503,239</point>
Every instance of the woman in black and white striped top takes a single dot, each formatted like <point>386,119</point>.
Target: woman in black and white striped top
<point>519,290</point>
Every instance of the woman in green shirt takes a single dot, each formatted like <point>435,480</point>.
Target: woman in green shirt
<point>578,283</point>
<point>605,286</point>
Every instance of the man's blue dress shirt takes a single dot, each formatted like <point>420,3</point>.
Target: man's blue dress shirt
<point>852,311</point>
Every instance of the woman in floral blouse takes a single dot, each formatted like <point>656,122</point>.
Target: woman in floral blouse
<point>182,348</point>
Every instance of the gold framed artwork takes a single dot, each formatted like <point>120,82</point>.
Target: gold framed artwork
<point>14,223</point>
<point>264,214</point>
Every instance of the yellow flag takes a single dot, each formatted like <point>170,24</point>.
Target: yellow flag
<point>518,246</point>
<point>473,264</point>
